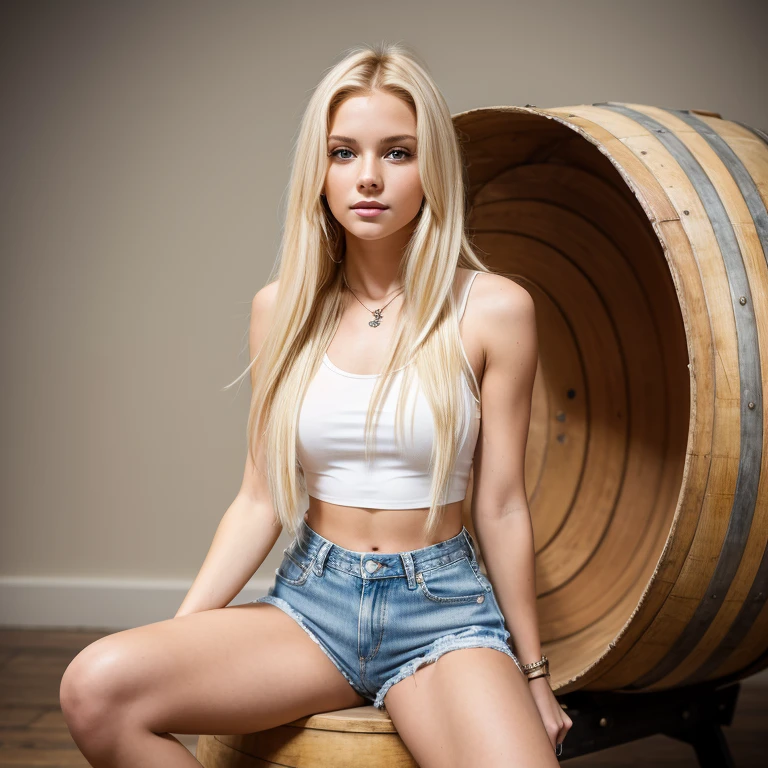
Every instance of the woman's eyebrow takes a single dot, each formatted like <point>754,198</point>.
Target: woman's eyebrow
<point>387,140</point>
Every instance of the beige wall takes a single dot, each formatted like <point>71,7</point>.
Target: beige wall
<point>145,154</point>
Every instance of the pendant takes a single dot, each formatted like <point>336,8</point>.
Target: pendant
<point>376,322</point>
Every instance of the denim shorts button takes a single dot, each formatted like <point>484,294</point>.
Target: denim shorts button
<point>480,599</point>
<point>370,566</point>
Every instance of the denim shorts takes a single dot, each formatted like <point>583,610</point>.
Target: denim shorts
<point>379,617</point>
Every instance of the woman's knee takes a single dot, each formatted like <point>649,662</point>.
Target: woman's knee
<point>95,687</point>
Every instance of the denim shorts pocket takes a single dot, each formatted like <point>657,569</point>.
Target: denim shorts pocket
<point>456,582</point>
<point>295,567</point>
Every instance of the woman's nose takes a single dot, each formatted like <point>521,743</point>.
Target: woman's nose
<point>369,173</point>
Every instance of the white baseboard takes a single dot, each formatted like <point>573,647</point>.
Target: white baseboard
<point>110,604</point>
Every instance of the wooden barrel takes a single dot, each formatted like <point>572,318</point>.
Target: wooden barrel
<point>345,738</point>
<point>642,235</point>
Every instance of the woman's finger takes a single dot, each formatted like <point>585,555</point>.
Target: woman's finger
<point>561,734</point>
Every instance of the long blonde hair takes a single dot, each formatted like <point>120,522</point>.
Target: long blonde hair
<point>310,293</point>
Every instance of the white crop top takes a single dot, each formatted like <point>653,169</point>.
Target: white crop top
<point>330,445</point>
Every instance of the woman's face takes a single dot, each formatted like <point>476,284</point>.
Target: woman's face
<point>372,156</point>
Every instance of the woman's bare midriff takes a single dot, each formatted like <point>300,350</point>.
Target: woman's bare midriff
<point>387,531</point>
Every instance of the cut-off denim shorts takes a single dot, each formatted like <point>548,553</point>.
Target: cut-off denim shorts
<point>379,617</point>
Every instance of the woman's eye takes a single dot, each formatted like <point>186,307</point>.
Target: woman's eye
<point>405,152</point>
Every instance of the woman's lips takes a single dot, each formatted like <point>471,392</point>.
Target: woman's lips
<point>369,212</point>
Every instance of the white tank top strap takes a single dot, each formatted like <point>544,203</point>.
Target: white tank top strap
<point>465,292</point>
<point>461,308</point>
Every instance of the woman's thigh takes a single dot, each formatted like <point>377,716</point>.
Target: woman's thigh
<point>471,707</point>
<point>230,670</point>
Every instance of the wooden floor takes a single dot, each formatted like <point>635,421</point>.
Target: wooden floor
<point>33,731</point>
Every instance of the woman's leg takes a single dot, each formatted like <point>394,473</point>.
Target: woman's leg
<point>471,707</point>
<point>230,670</point>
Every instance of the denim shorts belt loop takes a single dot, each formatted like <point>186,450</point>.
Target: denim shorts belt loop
<point>381,616</point>
<point>408,567</point>
<point>470,541</point>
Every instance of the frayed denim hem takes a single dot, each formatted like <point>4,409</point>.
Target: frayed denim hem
<point>299,619</point>
<point>471,639</point>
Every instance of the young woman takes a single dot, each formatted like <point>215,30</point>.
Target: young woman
<point>371,354</point>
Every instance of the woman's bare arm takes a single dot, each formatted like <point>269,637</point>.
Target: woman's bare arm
<point>500,511</point>
<point>249,529</point>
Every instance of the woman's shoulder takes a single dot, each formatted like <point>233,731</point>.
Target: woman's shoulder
<point>496,304</point>
<point>494,291</point>
<point>506,313</point>
<point>268,293</point>
<point>263,303</point>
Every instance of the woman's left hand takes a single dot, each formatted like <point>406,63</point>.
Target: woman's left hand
<point>555,720</point>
